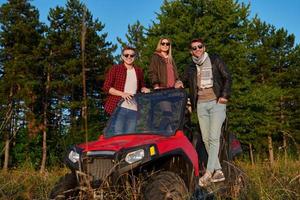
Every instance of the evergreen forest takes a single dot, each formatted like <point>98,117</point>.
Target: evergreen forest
<point>51,75</point>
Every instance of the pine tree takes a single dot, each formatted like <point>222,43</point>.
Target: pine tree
<point>20,36</point>
<point>289,80</point>
<point>271,58</point>
<point>222,24</point>
<point>64,39</point>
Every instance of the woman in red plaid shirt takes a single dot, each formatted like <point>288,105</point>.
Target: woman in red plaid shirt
<point>123,81</point>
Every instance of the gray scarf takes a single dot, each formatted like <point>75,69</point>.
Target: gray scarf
<point>200,60</point>
<point>204,69</point>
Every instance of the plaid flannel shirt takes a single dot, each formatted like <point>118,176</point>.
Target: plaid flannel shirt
<point>115,78</point>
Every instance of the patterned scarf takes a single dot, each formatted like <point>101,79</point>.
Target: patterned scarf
<point>204,69</point>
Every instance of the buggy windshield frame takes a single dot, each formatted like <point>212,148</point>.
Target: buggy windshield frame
<point>160,112</point>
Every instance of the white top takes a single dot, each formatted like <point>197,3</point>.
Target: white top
<point>130,87</point>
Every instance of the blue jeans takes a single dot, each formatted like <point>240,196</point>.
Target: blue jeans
<point>211,116</point>
<point>125,121</point>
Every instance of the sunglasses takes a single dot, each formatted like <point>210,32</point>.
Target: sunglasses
<point>165,43</point>
<point>129,55</point>
<point>200,46</point>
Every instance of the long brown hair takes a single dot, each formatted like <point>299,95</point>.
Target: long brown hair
<point>158,48</point>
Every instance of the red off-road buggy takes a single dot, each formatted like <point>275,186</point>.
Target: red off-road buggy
<point>162,159</point>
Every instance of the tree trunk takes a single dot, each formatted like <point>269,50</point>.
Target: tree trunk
<point>44,148</point>
<point>45,125</point>
<point>84,108</point>
<point>6,154</point>
<point>251,154</point>
<point>271,151</point>
<point>285,147</point>
<point>7,120</point>
<point>281,129</point>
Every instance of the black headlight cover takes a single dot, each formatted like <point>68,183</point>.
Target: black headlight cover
<point>68,162</point>
<point>122,154</point>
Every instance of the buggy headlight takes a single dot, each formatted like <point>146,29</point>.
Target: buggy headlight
<point>74,156</point>
<point>135,156</point>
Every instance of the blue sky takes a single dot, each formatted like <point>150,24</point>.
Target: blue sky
<point>117,14</point>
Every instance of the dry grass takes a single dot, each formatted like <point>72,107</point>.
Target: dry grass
<point>282,181</point>
<point>129,187</point>
<point>277,183</point>
<point>26,183</point>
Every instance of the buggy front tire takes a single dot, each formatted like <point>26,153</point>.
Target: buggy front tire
<point>165,185</point>
<point>64,188</point>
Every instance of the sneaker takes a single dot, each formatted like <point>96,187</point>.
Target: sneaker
<point>205,179</point>
<point>218,176</point>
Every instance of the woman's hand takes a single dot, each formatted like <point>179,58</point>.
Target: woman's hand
<point>178,84</point>
<point>145,90</point>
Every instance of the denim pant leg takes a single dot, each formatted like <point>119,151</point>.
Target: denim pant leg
<point>203,118</point>
<point>217,117</point>
<point>126,121</point>
<point>120,121</point>
<point>211,117</point>
<point>131,120</point>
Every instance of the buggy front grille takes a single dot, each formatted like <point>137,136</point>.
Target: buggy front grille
<point>99,168</point>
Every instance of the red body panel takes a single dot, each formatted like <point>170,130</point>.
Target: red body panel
<point>164,144</point>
